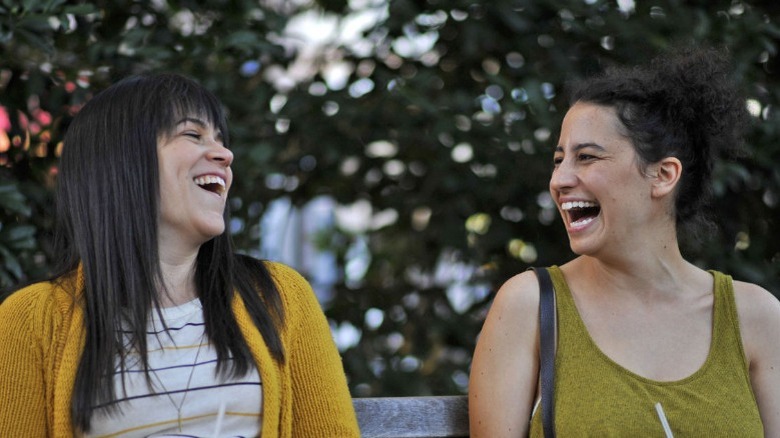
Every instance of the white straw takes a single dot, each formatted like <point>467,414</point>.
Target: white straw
<point>220,416</point>
<point>664,423</point>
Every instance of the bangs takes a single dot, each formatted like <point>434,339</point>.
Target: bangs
<point>180,98</point>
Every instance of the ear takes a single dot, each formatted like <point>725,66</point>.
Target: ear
<point>664,175</point>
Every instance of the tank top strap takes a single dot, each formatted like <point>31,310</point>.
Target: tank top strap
<point>727,339</point>
<point>566,309</point>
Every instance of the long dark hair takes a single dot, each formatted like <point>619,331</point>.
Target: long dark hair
<point>107,207</point>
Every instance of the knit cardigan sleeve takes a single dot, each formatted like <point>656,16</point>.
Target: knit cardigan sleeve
<point>24,317</point>
<point>321,403</point>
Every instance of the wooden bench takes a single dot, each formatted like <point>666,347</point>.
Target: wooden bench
<point>413,417</point>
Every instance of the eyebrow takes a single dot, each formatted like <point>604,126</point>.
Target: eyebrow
<point>200,123</point>
<point>580,146</point>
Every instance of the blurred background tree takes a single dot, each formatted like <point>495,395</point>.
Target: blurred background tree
<point>406,144</point>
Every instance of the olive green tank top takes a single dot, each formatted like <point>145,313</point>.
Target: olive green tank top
<point>596,397</point>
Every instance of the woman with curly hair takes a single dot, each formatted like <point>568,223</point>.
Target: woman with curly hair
<point>151,324</point>
<point>647,343</point>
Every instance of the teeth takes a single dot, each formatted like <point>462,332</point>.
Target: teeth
<point>209,179</point>
<point>578,204</point>
<point>582,222</point>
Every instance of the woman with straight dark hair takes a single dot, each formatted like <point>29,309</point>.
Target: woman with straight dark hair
<point>151,325</point>
<point>648,343</point>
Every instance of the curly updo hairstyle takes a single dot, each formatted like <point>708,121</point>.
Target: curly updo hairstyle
<point>682,104</point>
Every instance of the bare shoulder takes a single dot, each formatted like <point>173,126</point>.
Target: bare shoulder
<point>756,304</point>
<point>511,328</point>
<point>759,316</point>
<point>520,294</point>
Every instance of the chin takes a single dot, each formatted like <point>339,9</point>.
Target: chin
<point>581,248</point>
<point>212,230</point>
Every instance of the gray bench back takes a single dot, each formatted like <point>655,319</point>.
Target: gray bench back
<point>413,417</point>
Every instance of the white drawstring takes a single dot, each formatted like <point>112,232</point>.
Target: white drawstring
<point>660,410</point>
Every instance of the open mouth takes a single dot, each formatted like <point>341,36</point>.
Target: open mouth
<point>211,183</point>
<point>581,212</point>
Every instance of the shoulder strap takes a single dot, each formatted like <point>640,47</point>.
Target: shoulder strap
<point>546,348</point>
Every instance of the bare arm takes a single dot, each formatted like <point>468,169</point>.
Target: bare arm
<point>759,316</point>
<point>504,372</point>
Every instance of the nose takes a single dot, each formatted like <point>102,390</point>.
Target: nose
<point>563,177</point>
<point>218,153</point>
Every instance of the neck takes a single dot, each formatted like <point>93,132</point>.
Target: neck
<point>178,271</point>
<point>650,267</point>
<point>643,246</point>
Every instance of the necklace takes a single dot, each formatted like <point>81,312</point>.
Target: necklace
<point>179,406</point>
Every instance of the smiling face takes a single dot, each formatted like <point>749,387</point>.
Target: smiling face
<point>601,193</point>
<point>195,177</point>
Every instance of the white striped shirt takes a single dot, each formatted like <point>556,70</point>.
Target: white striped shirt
<point>152,411</point>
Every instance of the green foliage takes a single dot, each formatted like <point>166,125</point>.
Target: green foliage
<point>15,238</point>
<point>469,95</point>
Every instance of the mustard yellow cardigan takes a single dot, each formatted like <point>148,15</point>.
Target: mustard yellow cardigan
<point>42,338</point>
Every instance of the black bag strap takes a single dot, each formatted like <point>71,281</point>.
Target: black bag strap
<point>546,348</point>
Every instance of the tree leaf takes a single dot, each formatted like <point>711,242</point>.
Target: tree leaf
<point>11,199</point>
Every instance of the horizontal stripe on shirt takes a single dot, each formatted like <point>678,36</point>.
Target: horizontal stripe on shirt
<point>182,367</point>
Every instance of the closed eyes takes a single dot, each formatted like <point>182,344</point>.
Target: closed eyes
<point>197,131</point>
<point>197,136</point>
<point>580,157</point>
